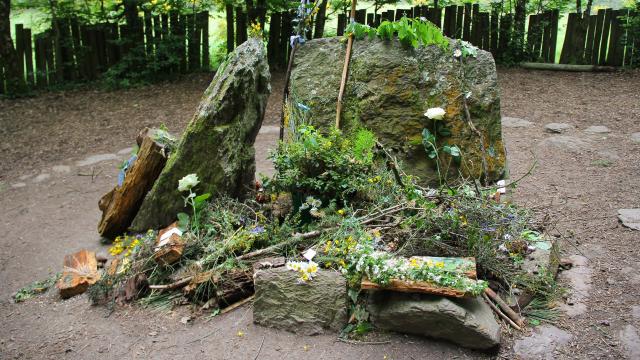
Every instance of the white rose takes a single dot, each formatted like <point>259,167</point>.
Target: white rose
<point>435,113</point>
<point>188,182</point>
<point>457,53</point>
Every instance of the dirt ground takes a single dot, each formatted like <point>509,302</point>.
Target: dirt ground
<point>60,152</point>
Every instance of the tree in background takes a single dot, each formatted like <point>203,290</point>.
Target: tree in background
<point>8,55</point>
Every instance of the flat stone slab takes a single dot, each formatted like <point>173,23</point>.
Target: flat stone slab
<point>468,322</point>
<point>568,143</point>
<point>579,280</point>
<point>542,343</point>
<point>630,218</point>
<point>61,169</point>
<point>309,308</point>
<point>513,122</point>
<point>557,128</point>
<point>630,341</point>
<point>94,159</point>
<point>635,137</point>
<point>125,151</point>
<point>597,129</point>
<point>42,177</point>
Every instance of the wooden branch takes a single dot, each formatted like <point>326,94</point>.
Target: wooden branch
<point>294,239</point>
<point>567,67</point>
<point>285,96</point>
<point>500,313</point>
<point>121,205</point>
<point>237,305</point>
<point>503,305</point>
<point>345,69</point>
<point>413,287</point>
<point>174,285</point>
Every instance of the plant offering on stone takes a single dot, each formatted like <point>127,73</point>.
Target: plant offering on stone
<point>196,202</point>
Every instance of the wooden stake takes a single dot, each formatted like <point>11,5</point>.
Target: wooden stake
<point>500,313</point>
<point>345,69</point>
<point>286,88</point>
<point>503,305</point>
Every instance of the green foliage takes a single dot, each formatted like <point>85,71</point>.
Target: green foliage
<point>633,34</point>
<point>331,167</point>
<point>360,31</point>
<point>413,33</point>
<point>35,288</point>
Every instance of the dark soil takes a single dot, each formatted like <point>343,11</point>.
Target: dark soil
<point>47,212</point>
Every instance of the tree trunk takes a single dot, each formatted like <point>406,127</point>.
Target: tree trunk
<point>579,7</point>
<point>8,55</point>
<point>230,34</point>
<point>587,11</point>
<point>518,29</point>
<point>321,18</point>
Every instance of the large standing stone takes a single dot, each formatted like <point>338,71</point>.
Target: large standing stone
<point>388,91</point>
<point>307,308</point>
<point>217,145</point>
<point>468,322</point>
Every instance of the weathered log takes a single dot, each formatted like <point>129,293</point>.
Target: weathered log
<point>121,205</point>
<point>80,271</point>
<point>169,245</point>
<point>466,266</point>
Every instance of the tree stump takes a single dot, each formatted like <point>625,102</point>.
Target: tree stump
<point>80,271</point>
<point>169,245</point>
<point>120,205</point>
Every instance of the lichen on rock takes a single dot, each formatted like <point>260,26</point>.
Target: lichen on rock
<point>217,145</point>
<point>390,87</point>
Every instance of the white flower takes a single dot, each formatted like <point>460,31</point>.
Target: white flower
<point>435,113</point>
<point>188,182</point>
<point>457,53</point>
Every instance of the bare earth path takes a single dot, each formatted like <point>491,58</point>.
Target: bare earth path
<point>50,181</point>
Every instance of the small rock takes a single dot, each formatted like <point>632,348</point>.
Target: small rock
<point>468,322</point>
<point>597,129</point>
<point>513,122</point>
<point>542,343</point>
<point>557,128</point>
<point>62,169</point>
<point>94,159</point>
<point>569,143</point>
<point>185,319</point>
<point>153,333</point>
<point>579,279</point>
<point>605,323</point>
<point>635,137</point>
<point>630,218</point>
<point>42,177</point>
<point>635,311</point>
<point>18,185</point>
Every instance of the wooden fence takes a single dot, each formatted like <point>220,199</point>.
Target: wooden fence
<point>596,39</point>
<point>81,52</point>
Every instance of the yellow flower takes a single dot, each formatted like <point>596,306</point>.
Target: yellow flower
<point>341,212</point>
<point>240,333</point>
<point>413,263</point>
<point>440,264</point>
<point>342,263</point>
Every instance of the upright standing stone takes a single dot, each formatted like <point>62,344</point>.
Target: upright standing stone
<point>389,89</point>
<point>217,145</point>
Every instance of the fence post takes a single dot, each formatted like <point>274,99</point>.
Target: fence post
<point>28,56</point>
<point>20,50</point>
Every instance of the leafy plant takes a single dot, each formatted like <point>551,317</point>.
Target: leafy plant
<point>330,167</point>
<point>35,288</point>
<point>413,33</point>
<point>196,202</point>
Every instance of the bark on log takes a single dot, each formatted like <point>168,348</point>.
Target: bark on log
<point>121,205</point>
<point>466,266</point>
<point>80,271</point>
